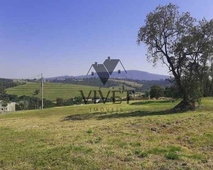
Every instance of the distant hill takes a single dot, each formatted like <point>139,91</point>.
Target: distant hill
<point>131,75</point>
<point>138,75</point>
<point>59,77</point>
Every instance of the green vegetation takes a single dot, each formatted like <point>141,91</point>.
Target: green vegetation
<point>156,92</point>
<point>128,82</point>
<point>53,90</point>
<point>111,83</point>
<point>87,82</point>
<point>138,85</point>
<point>6,83</point>
<point>139,135</point>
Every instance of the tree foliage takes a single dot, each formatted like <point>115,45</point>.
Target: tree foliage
<point>156,91</point>
<point>183,44</point>
<point>36,92</point>
<point>59,102</point>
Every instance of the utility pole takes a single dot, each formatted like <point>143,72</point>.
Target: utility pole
<point>42,91</point>
<point>134,88</point>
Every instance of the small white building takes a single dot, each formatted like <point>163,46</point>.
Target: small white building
<point>11,107</point>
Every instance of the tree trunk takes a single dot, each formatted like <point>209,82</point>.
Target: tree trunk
<point>185,105</point>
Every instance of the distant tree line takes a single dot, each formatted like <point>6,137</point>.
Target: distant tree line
<point>146,84</point>
<point>7,83</point>
<point>88,82</point>
<point>68,102</point>
<point>25,102</point>
<point>157,91</point>
<point>173,91</point>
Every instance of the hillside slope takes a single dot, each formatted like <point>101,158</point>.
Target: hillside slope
<point>53,90</point>
<point>135,136</point>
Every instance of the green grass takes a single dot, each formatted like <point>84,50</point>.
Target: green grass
<point>121,87</point>
<point>55,90</point>
<point>138,136</point>
<point>127,82</point>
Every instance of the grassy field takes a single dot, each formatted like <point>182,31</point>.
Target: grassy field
<point>54,90</point>
<point>139,135</point>
<point>130,83</point>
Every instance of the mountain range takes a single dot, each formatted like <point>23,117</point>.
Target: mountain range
<point>131,74</point>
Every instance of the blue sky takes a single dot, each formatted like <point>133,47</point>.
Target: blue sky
<point>64,37</point>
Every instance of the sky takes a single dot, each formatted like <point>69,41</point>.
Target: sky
<point>64,37</point>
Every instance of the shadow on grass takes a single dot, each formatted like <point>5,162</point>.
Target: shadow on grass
<point>150,102</point>
<point>85,116</point>
<point>104,115</point>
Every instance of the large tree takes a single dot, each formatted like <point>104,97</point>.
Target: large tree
<point>183,44</point>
